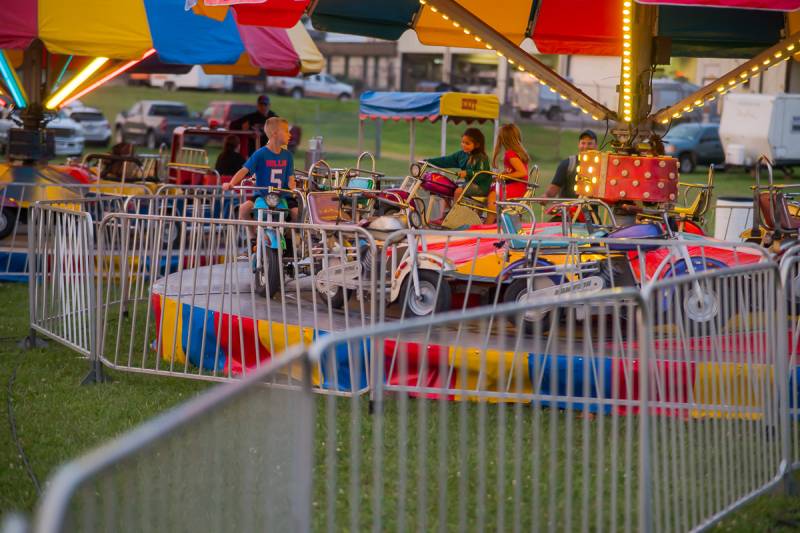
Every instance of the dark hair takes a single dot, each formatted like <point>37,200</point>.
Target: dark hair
<point>230,144</point>
<point>479,152</point>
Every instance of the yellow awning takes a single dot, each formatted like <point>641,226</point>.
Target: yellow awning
<point>311,59</point>
<point>480,106</point>
<point>510,18</point>
<point>100,28</point>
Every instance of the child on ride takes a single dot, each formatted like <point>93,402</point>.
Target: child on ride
<point>515,167</point>
<point>273,166</point>
<point>471,160</point>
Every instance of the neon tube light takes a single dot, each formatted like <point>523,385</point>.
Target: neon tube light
<point>113,74</point>
<point>76,81</point>
<point>63,71</point>
<point>12,82</point>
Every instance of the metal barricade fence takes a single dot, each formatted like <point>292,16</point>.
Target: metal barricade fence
<point>17,201</point>
<point>613,413</point>
<point>790,277</point>
<point>235,459</point>
<point>716,391</point>
<point>213,304</point>
<point>61,284</point>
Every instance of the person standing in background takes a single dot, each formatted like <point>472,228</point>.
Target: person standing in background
<point>563,184</point>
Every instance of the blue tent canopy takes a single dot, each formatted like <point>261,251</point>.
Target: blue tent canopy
<point>399,105</point>
<point>414,107</point>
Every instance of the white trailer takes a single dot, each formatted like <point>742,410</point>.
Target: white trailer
<point>756,124</point>
<point>194,79</point>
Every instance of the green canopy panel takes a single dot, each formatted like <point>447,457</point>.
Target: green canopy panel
<point>382,20</point>
<point>714,32</point>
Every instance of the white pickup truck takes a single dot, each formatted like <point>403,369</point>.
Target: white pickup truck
<point>317,85</point>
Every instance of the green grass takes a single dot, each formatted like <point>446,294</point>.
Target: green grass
<point>57,419</point>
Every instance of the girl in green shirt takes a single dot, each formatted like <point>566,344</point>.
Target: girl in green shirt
<point>471,160</point>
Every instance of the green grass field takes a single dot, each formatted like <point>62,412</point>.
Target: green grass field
<point>55,418</point>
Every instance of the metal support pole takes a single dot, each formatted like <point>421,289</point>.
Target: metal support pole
<point>637,65</point>
<point>443,147</point>
<point>378,131</point>
<point>32,71</point>
<point>496,131</point>
<point>412,140</point>
<point>360,135</point>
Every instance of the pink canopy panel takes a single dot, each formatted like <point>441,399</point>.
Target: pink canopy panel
<point>774,5</point>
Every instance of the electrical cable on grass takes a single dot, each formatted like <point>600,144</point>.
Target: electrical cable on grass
<point>12,421</point>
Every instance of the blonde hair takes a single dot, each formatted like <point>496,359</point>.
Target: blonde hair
<point>272,124</point>
<point>510,138</point>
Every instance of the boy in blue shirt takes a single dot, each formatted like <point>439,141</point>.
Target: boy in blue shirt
<point>273,166</point>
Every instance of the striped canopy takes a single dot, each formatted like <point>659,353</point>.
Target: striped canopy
<point>233,32</point>
<point>127,29</point>
<point>696,27</point>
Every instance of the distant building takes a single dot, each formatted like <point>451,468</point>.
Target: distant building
<point>367,63</point>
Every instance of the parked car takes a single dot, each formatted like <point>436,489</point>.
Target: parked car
<point>694,144</point>
<point>96,129</point>
<point>196,78</point>
<point>220,113</point>
<point>150,122</point>
<point>426,86</point>
<point>68,134</point>
<point>317,85</point>
<point>667,92</point>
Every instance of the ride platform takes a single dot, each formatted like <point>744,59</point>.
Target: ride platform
<point>210,316</point>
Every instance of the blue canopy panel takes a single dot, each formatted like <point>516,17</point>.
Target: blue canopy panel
<point>382,20</point>
<point>174,32</point>
<point>400,105</point>
<point>714,32</point>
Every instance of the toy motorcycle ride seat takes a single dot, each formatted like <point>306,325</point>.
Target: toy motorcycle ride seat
<point>636,232</point>
<point>438,184</point>
<point>394,195</point>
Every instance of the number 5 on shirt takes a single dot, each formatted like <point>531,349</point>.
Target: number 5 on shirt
<point>275,178</point>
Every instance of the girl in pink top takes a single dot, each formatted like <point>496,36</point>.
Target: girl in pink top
<point>515,167</point>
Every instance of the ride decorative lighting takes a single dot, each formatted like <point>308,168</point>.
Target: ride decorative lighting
<point>111,75</point>
<point>627,59</point>
<point>76,81</point>
<point>775,55</point>
<point>12,82</point>
<point>510,61</point>
<point>618,177</point>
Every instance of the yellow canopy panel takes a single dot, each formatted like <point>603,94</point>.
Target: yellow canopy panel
<point>311,59</point>
<point>509,17</point>
<point>480,106</point>
<point>100,28</point>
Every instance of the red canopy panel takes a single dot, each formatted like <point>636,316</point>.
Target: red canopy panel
<point>274,13</point>
<point>586,27</point>
<point>774,5</point>
<point>19,23</point>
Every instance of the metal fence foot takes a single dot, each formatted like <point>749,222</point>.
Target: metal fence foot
<point>32,342</point>
<point>96,375</point>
